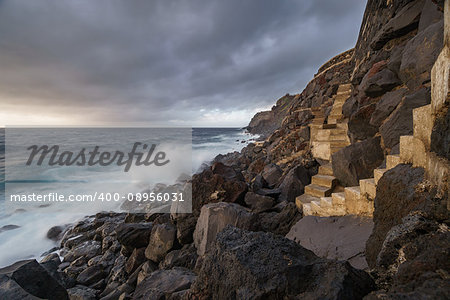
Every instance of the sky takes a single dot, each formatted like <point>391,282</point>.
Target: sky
<point>189,63</point>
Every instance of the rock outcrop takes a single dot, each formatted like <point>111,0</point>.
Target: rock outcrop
<point>250,265</point>
<point>341,238</point>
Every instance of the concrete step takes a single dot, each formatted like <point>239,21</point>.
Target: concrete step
<point>316,210</point>
<point>321,150</point>
<point>326,170</point>
<point>423,124</point>
<point>335,149</point>
<point>317,190</point>
<point>324,180</point>
<point>368,188</point>
<point>332,121</point>
<point>324,209</point>
<point>392,161</point>
<point>343,125</point>
<point>326,202</point>
<point>339,143</point>
<point>329,126</point>
<point>307,211</point>
<point>340,137</point>
<point>377,174</point>
<point>343,91</point>
<point>407,148</point>
<point>356,204</point>
<point>318,120</point>
<point>352,199</point>
<point>301,200</point>
<point>326,135</point>
<point>338,198</point>
<point>337,211</point>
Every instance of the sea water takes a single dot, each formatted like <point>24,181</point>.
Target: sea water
<point>29,239</point>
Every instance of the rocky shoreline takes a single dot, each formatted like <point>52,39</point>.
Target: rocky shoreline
<point>249,235</point>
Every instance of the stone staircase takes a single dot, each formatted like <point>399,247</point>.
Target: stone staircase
<point>415,149</point>
<point>326,139</point>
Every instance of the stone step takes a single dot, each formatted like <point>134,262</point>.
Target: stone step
<point>326,135</point>
<point>316,210</point>
<point>318,120</point>
<point>368,188</point>
<point>326,202</point>
<point>324,180</point>
<point>335,149</point>
<point>340,137</point>
<point>329,126</point>
<point>352,199</point>
<point>301,200</point>
<point>343,125</point>
<point>337,106</point>
<point>337,211</point>
<point>423,124</point>
<point>341,98</point>
<point>343,92</point>
<point>338,198</point>
<point>326,170</point>
<point>345,86</point>
<point>307,211</point>
<point>377,174</point>
<point>339,143</point>
<point>392,161</point>
<point>332,121</point>
<point>317,190</point>
<point>407,148</point>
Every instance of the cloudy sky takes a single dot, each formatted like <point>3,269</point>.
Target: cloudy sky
<point>162,62</point>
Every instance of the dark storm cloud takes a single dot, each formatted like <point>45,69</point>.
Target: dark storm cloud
<point>166,60</point>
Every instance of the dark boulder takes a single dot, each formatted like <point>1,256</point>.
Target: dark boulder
<point>341,238</point>
<point>32,279</point>
<point>413,259</point>
<point>185,224</point>
<point>91,275</point>
<point>135,260</point>
<point>80,292</point>
<point>161,241</point>
<point>208,187</point>
<point>395,199</point>
<point>400,122</point>
<point>386,106</point>
<point>272,174</point>
<point>134,235</point>
<point>185,257</point>
<point>257,265</point>
<point>359,125</point>
<point>374,85</point>
<point>214,218</point>
<point>163,283</point>
<point>430,15</point>
<point>349,107</point>
<point>279,221</point>
<point>294,183</point>
<point>406,20</point>
<point>258,203</point>
<point>419,55</point>
<point>55,233</point>
<point>85,250</point>
<point>440,137</point>
<point>357,161</point>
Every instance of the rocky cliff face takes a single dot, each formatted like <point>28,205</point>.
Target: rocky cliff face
<point>232,246</point>
<point>266,122</point>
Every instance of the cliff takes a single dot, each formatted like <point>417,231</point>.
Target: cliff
<point>345,198</point>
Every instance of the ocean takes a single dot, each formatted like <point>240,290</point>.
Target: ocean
<point>28,239</point>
